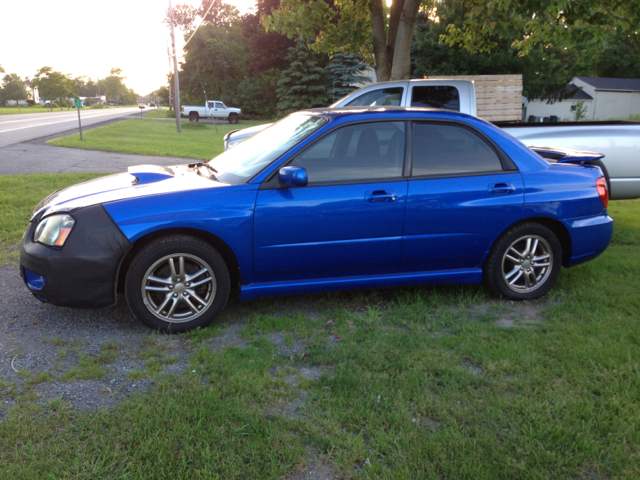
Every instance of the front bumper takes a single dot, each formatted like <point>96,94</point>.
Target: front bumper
<point>83,273</point>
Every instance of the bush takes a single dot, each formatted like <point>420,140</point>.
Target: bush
<point>97,106</point>
<point>31,103</point>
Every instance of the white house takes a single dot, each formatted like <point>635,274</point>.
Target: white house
<point>604,99</point>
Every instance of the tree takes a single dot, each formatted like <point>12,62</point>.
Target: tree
<point>53,85</point>
<point>211,12</point>
<point>162,95</point>
<point>351,26</point>
<point>580,112</point>
<point>303,84</point>
<point>343,73</point>
<point>13,88</point>
<point>592,24</point>
<point>114,87</point>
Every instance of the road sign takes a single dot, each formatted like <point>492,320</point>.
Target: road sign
<point>77,102</point>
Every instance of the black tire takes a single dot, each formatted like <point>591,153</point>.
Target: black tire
<point>510,274</point>
<point>233,118</point>
<point>194,117</point>
<point>169,303</point>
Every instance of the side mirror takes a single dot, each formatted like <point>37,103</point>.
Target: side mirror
<point>293,176</point>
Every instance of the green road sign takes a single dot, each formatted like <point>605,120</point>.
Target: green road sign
<point>77,102</point>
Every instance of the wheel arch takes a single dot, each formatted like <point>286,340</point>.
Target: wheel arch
<point>552,224</point>
<point>220,245</point>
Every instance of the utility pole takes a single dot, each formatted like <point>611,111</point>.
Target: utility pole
<point>176,95</point>
<point>169,58</point>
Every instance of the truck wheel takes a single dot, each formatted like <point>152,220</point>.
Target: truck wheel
<point>233,118</point>
<point>193,116</point>
<point>177,283</point>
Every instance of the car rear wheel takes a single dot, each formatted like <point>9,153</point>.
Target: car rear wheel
<point>524,263</point>
<point>177,283</point>
<point>194,117</point>
<point>233,118</point>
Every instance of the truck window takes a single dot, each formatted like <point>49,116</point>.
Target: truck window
<point>440,96</point>
<point>376,98</point>
<point>210,104</point>
<point>219,105</point>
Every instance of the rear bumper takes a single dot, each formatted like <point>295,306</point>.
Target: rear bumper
<point>590,236</point>
<point>81,274</point>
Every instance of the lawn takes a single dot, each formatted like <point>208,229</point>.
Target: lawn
<point>421,382</point>
<point>154,137</point>
<point>160,113</point>
<point>22,110</point>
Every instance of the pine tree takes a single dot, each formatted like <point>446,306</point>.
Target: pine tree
<point>303,84</point>
<point>344,72</point>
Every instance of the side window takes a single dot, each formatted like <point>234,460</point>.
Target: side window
<point>210,104</point>
<point>376,98</point>
<point>355,153</point>
<point>219,105</point>
<point>440,96</point>
<point>450,150</point>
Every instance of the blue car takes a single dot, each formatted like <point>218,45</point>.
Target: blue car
<point>323,200</point>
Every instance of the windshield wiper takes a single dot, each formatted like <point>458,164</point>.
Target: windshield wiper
<point>202,164</point>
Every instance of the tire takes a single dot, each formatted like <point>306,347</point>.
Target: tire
<point>193,116</point>
<point>508,271</point>
<point>233,118</point>
<point>164,301</point>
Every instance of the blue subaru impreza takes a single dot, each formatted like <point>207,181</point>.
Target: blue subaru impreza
<point>325,199</point>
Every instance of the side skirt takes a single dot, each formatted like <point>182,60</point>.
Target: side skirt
<point>258,290</point>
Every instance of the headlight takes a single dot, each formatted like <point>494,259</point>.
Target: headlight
<point>54,230</point>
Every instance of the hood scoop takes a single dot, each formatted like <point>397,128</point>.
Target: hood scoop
<point>150,173</point>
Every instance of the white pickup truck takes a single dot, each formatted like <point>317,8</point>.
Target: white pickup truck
<point>212,109</point>
<point>619,141</point>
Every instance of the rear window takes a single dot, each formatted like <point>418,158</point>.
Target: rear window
<point>383,97</point>
<point>436,96</point>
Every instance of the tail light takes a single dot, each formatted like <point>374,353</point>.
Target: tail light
<point>182,109</point>
<point>603,191</point>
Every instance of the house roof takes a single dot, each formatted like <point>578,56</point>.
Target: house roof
<point>628,84</point>
<point>580,94</point>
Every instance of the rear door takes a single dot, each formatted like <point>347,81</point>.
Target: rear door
<point>463,191</point>
<point>348,220</point>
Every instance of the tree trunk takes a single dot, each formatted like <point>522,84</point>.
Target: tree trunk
<point>401,63</point>
<point>380,50</point>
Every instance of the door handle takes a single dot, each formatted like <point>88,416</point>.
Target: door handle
<point>380,196</point>
<point>502,188</point>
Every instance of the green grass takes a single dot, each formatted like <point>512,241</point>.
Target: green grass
<point>19,194</point>
<point>197,140</point>
<point>160,113</point>
<point>22,110</point>
<point>418,383</point>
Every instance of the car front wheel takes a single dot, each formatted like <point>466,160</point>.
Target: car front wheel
<point>524,263</point>
<point>177,283</point>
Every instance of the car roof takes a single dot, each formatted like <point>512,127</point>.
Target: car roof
<point>387,110</point>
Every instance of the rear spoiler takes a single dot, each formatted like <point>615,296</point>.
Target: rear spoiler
<point>566,155</point>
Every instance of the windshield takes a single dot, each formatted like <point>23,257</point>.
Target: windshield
<point>245,160</point>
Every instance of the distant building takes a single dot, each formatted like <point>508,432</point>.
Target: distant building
<point>605,99</point>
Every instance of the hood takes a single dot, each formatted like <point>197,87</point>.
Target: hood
<point>141,180</point>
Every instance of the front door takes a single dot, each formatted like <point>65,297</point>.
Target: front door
<point>348,220</point>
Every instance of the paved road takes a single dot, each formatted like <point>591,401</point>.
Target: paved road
<point>21,128</point>
<point>23,147</point>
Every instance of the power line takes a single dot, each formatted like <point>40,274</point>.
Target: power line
<point>202,20</point>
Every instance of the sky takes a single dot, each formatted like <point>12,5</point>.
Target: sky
<point>90,38</point>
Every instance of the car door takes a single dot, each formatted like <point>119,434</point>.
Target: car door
<point>348,220</point>
<point>220,110</point>
<point>463,191</point>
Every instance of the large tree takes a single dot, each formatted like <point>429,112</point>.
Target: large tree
<point>593,25</point>
<point>53,85</point>
<point>353,26</point>
<point>114,87</point>
<point>13,88</point>
<point>210,12</point>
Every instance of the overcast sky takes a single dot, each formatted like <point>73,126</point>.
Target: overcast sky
<point>90,38</point>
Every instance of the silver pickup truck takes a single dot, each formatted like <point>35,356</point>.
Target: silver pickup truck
<point>618,141</point>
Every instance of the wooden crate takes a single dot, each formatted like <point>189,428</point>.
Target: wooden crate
<point>498,97</point>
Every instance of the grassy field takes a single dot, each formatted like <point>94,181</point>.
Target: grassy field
<point>160,112</point>
<point>421,382</point>
<point>148,137</point>
<point>35,109</point>
<point>19,194</point>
